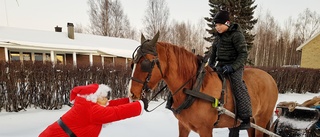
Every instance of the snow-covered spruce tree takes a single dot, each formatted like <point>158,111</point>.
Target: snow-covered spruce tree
<point>241,12</point>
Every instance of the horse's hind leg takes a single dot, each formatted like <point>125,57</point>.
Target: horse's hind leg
<point>183,131</point>
<point>251,131</point>
<point>262,122</point>
<point>268,126</point>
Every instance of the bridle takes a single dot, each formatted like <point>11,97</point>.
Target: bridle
<point>146,66</point>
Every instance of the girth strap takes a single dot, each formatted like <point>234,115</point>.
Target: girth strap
<point>65,128</point>
<point>200,95</point>
<point>186,104</point>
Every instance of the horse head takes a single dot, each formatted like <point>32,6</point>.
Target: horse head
<point>146,69</point>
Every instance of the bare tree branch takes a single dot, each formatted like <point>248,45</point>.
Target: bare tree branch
<point>156,19</point>
<point>108,19</point>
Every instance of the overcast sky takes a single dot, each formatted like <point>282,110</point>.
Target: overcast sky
<point>46,14</point>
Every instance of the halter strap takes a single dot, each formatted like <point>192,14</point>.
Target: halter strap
<point>136,80</point>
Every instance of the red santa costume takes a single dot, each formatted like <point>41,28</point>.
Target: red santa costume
<point>86,117</point>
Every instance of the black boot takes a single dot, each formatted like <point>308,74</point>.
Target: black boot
<point>245,124</point>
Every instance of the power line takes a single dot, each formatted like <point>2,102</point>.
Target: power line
<point>5,6</point>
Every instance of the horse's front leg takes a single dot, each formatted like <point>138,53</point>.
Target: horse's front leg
<point>183,131</point>
<point>205,132</point>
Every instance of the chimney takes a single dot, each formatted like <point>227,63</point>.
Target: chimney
<point>70,30</point>
<point>58,29</point>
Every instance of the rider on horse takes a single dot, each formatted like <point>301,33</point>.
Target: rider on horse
<point>229,54</point>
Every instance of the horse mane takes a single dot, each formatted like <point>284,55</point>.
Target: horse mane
<point>187,62</point>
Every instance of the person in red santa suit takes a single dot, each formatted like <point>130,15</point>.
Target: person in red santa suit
<point>91,110</point>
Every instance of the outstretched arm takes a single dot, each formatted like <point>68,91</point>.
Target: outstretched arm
<point>120,101</point>
<point>102,115</point>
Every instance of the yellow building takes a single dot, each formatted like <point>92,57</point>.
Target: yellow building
<point>310,57</point>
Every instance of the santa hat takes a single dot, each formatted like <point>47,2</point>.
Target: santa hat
<point>90,92</point>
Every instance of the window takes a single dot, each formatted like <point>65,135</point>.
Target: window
<point>26,56</point>
<point>60,59</point>
<point>14,56</point>
<point>47,57</point>
<point>38,56</point>
<point>108,60</point>
<point>129,60</point>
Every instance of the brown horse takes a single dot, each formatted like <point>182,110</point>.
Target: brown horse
<point>156,61</point>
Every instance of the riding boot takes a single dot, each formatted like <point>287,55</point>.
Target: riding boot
<point>245,124</point>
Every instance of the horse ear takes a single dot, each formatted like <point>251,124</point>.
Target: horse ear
<point>143,39</point>
<point>155,39</point>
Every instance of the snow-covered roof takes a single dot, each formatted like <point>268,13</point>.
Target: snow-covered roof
<point>38,39</point>
<point>305,43</point>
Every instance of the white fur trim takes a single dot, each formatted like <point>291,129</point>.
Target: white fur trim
<point>142,107</point>
<point>102,91</point>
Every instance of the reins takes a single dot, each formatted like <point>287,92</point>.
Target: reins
<point>155,97</point>
<point>169,93</point>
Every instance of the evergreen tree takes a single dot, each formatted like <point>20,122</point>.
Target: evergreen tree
<point>241,12</point>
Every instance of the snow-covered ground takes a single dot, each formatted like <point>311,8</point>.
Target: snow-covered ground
<point>159,123</point>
